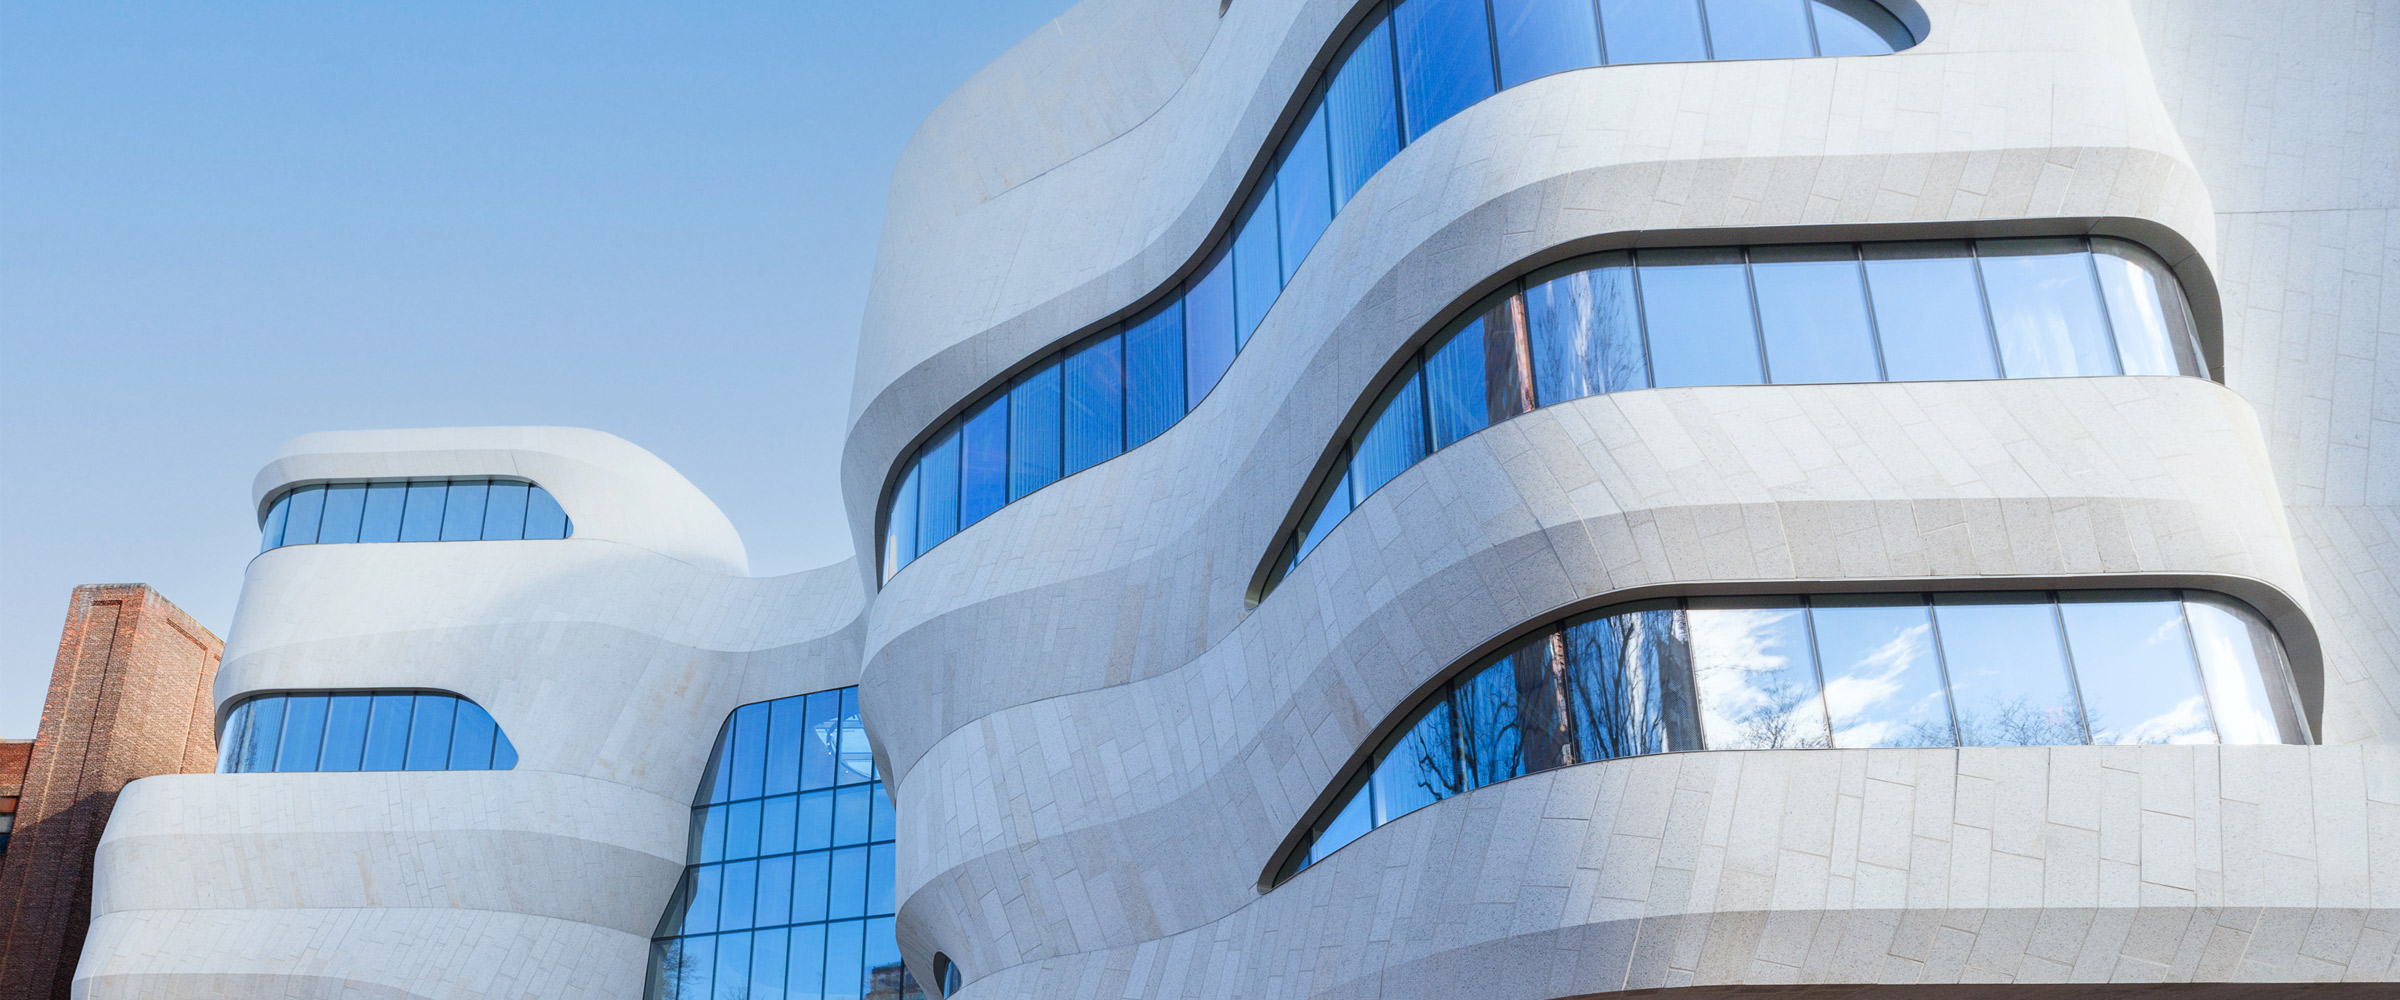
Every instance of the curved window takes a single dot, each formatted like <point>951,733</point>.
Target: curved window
<point>1410,66</point>
<point>947,971</point>
<point>789,889</point>
<point>2060,668</point>
<point>362,731</point>
<point>413,510</point>
<point>1873,312</point>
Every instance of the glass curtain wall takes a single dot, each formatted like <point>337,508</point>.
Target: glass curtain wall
<point>2058,668</point>
<point>362,731</point>
<point>789,889</point>
<point>1410,66</point>
<point>414,510</point>
<point>1982,309</point>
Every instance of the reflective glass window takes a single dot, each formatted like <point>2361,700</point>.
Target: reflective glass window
<point>462,515</point>
<point>415,511</point>
<point>1812,311</point>
<point>2046,308</point>
<point>1303,194</point>
<point>1484,709</point>
<point>900,533</point>
<point>1541,37</point>
<point>1095,404</point>
<point>271,531</point>
<point>471,738</point>
<point>1349,823</point>
<point>303,733</point>
<point>1257,267</point>
<point>2153,328</point>
<point>2244,670</point>
<point>1394,440</point>
<point>937,492</point>
<point>307,512</point>
<point>429,732</point>
<point>504,512</point>
<point>361,731</point>
<point>422,521</point>
<point>1154,381</point>
<point>1639,31</point>
<point>1362,113</point>
<point>2141,684</point>
<point>2009,677</point>
<point>1508,380</point>
<point>1333,505</point>
<point>983,444</point>
<point>1615,686</point>
<point>1696,307</point>
<point>1929,312</point>
<point>1445,59</point>
<point>1420,768</point>
<point>346,718</point>
<point>1454,387</point>
<point>1756,674</point>
<point>380,522</point>
<point>345,505</point>
<point>262,737</point>
<point>1208,322</point>
<point>1759,29</point>
<point>1883,674</point>
<point>1857,28</point>
<point>1585,330</point>
<point>387,732</point>
<point>543,516</point>
<point>1033,427</point>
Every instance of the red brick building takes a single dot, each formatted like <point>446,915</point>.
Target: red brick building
<point>129,698</point>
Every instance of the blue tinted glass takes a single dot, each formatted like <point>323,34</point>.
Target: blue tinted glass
<point>270,532</point>
<point>229,742</point>
<point>1095,404</point>
<point>1154,374</point>
<point>881,827</point>
<point>303,733</point>
<point>774,891</point>
<point>937,492</point>
<point>883,958</point>
<point>422,522</point>
<point>879,879</point>
<point>733,962</point>
<point>856,756</point>
<point>1585,332</point>
<point>1812,310</point>
<point>900,527</point>
<point>1485,704</point>
<point>1756,674</point>
<point>699,958</point>
<point>738,891</point>
<point>2046,308</point>
<point>1420,768</point>
<point>344,505</point>
<point>845,956</point>
<point>741,828</point>
<point>983,446</point>
<point>706,898</point>
<point>807,975</point>
<point>2145,311</point>
<point>1541,37</point>
<point>2008,675</point>
<point>848,895</point>
<point>1454,386</point>
<point>1393,441</point>
<point>812,877</point>
<point>1758,29</point>
<point>1303,194</point>
<point>345,732</point>
<point>778,829</point>
<point>381,520</point>
<point>504,753</point>
<point>543,517</point>
<point>2238,652</point>
<point>471,738</point>
<point>1857,28</point>
<point>818,748</point>
<point>258,745</point>
<point>462,515</point>
<point>387,733</point>
<point>429,732</point>
<point>1334,505</point>
<point>1638,31</point>
<point>1696,307</point>
<point>1883,678</point>
<point>749,725</point>
<point>2133,656</point>
<point>1929,312</point>
<point>1612,688</point>
<point>1352,822</point>
<point>785,733</point>
<point>308,511</point>
<point>815,823</point>
<point>1257,267</point>
<point>708,834</point>
<point>504,513</point>
<point>851,815</point>
<point>1445,59</point>
<point>1362,113</point>
<point>769,951</point>
<point>1208,346</point>
<point>1033,429</point>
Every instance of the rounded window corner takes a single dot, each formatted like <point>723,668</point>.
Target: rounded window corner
<point>417,509</point>
<point>363,729</point>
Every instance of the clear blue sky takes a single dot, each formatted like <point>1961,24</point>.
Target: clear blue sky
<point>225,224</point>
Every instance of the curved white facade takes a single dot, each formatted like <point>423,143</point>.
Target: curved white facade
<point>1103,744</point>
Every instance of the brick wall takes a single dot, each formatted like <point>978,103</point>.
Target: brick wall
<point>14,755</point>
<point>129,697</point>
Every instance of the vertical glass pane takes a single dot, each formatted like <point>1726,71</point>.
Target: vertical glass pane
<point>1585,332</point>
<point>885,974</point>
<point>739,894</point>
<point>1349,823</point>
<point>504,753</point>
<point>824,736</point>
<point>1545,725</point>
<point>504,512</point>
<point>879,879</point>
<point>812,877</point>
<point>1331,507</point>
<point>1507,359</point>
<point>774,891</point>
<point>422,521</point>
<point>1362,113</point>
<point>851,815</point>
<point>307,512</point>
<point>1639,31</point>
<point>1929,312</point>
<point>1033,414</point>
<point>1541,37</point>
<point>1857,28</point>
<point>270,532</point>
<point>900,526</point>
<point>2008,674</point>
<point>1696,305</point>
<point>471,738</point>
<point>1485,706</point>
<point>1454,388</point>
<point>462,515</point>
<point>1153,374</point>
<point>2146,311</point>
<point>733,967</point>
<point>857,759</point>
<point>1445,59</point>
<point>749,750</point>
<point>1617,688</point>
<point>1095,408</point>
<point>1257,266</point>
<point>1303,193</point>
<point>387,733</point>
<point>1208,344</point>
<point>1812,310</point>
<point>937,492</point>
<point>380,522</point>
<point>2133,658</point>
<point>345,504</point>
<point>983,446</point>
<point>845,956</point>
<point>345,732</point>
<point>882,826</point>
<point>848,896</point>
<point>2046,308</point>
<point>544,518</point>
<point>429,732</point>
<point>1394,439</point>
<point>2249,685</point>
<point>1883,677</point>
<point>699,967</point>
<point>1420,768</point>
<point>266,728</point>
<point>769,955</point>
<point>716,781</point>
<point>784,736</point>
<point>1755,673</point>
<point>708,834</point>
<point>303,733</point>
<point>807,976</point>
<point>237,730</point>
<point>1758,29</point>
<point>778,820</point>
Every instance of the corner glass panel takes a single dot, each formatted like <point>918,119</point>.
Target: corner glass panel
<point>1614,692</point>
<point>2242,663</point>
<point>429,732</point>
<point>471,738</point>
<point>1033,433</point>
<point>900,528</point>
<point>1303,194</point>
<point>983,444</point>
<point>1332,506</point>
<point>1490,744</point>
<point>1154,380</point>
<point>1756,675</point>
<point>345,504</point>
<point>303,733</point>
<point>260,739</point>
<point>271,530</point>
<point>1696,306</point>
<point>2008,672</point>
<point>307,513</point>
<point>1586,330</point>
<point>380,522</point>
<point>1362,113</point>
<point>1857,28</point>
<point>544,518</point>
<point>1208,343</point>
<point>387,732</point>
<point>1759,29</point>
<point>2146,311</point>
<point>1507,359</point>
<point>1421,767</point>
<point>422,522</point>
<point>462,515</point>
<point>1394,441</point>
<point>1883,676</point>
<point>2046,308</point>
<point>1351,822</point>
<point>1545,727</point>
<point>1929,312</point>
<point>345,732</point>
<point>1095,385</point>
<point>2133,657</point>
<point>1541,37</point>
<point>504,512</point>
<point>1454,389</point>
<point>1641,31</point>
<point>1812,310</point>
<point>937,492</point>
<point>229,742</point>
<point>1257,267</point>
<point>1445,59</point>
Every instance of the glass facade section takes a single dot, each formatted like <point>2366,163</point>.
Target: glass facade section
<point>362,731</point>
<point>1871,312</point>
<point>413,510</point>
<point>1409,66</point>
<point>788,892</point>
<point>2034,668</point>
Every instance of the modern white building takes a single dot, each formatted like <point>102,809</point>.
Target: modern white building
<point>1495,498</point>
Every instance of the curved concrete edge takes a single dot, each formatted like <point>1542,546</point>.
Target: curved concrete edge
<point>355,954</point>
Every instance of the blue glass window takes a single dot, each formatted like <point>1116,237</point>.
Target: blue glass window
<point>413,511</point>
<point>308,511</point>
<point>1454,385</point>
<point>1857,28</point>
<point>462,516</point>
<point>1756,674</point>
<point>346,720</point>
<point>504,512</point>
<point>345,505</point>
<point>1641,31</point>
<point>983,442</point>
<point>1257,267</point>
<point>1362,113</point>
<point>1541,37</point>
<point>1154,380</point>
<point>1208,325</point>
<point>1929,312</point>
<point>1394,439</point>
<point>937,492</point>
<point>900,531</point>
<point>1445,60</point>
<point>1585,330</point>
<point>1033,422</point>
<point>1812,310</point>
<point>381,519</point>
<point>1696,307</point>
<point>303,733</point>
<point>2046,309</point>
<point>1883,675</point>
<point>1095,406</point>
<point>1759,29</point>
<point>362,731</point>
<point>2009,680</point>
<point>422,522</point>
<point>1303,194</point>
